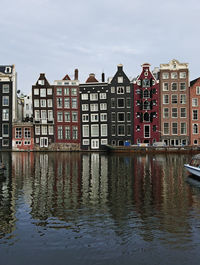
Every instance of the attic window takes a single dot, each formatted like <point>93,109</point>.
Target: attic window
<point>120,79</point>
<point>8,70</point>
<point>40,82</point>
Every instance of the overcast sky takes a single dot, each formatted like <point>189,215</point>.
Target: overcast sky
<point>56,36</point>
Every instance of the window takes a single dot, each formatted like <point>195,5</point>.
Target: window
<point>165,99</point>
<point>74,103</point>
<point>195,141</point>
<point>36,91</point>
<point>183,113</point>
<point>113,130</point>
<point>27,142</point>
<point>5,114</point>
<point>103,116</point>
<point>104,141</point>
<point>112,89</point>
<point>66,103</point>
<point>195,102</point>
<point>183,128</point>
<point>113,116</point>
<point>182,74</point>
<point>37,130</point>
<point>27,133</point>
<point>50,115</point>
<point>43,114</point>
<point>73,91</point>
<point>41,82</point>
<point>112,102</point>
<point>59,116</point>
<point>49,103</point>
<point>51,131</point>
<point>103,129</point>
<point>121,130</point>
<point>85,107</point>
<point>94,130</point>
<point>67,132</point>
<point>43,103</point>
<point>67,116</point>
<point>120,117</point>
<point>120,103</point>
<point>103,106</point>
<point>146,131</point>
<point>85,118</point>
<point>49,91</point>
<point>146,105</point>
<point>165,75</point>
<point>86,142</point>
<point>120,90</point>
<point>93,96</point>
<point>37,115</point>
<point>174,99</point>
<point>165,113</point>
<point>128,102</point>
<point>85,130</point>
<point>145,83</point>
<point>94,107</point>
<point>84,96</point>
<point>174,128</point>
<point>5,130</point>
<point>5,142</point>
<point>182,86</point>
<point>166,128</point>
<point>103,96</point>
<point>174,86</point>
<point>5,101</point>
<point>59,91</point>
<point>94,117</point>
<point>66,91</point>
<point>43,92</point>
<point>59,102</point>
<point>74,132</point>
<point>174,75</point>
<point>174,113</point>
<point>18,133</point>
<point>74,116</point>
<point>128,129</point>
<point>128,116</point>
<point>120,79</point>
<point>60,132</point>
<point>195,128</point>
<point>195,114</point>
<point>128,89</point>
<point>6,88</point>
<point>36,103</point>
<point>165,87</point>
<point>183,99</point>
<point>44,130</point>
<point>198,90</point>
<point>146,94</point>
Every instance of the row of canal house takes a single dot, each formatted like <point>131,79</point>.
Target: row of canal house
<point>156,106</point>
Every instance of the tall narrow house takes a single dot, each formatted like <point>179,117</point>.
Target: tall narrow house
<point>8,104</point>
<point>146,107</point>
<point>43,117</point>
<point>120,106</point>
<point>67,113</point>
<point>94,113</point>
<point>174,103</point>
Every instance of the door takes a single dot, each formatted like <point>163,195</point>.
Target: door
<point>43,142</point>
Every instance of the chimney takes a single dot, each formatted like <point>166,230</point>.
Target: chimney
<point>103,77</point>
<point>120,67</point>
<point>76,74</point>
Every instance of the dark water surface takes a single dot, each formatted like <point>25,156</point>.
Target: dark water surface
<point>62,208</point>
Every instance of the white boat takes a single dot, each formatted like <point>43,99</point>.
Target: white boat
<point>194,166</point>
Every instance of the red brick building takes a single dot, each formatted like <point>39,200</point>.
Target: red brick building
<point>146,107</point>
<point>195,112</point>
<point>67,111</point>
<point>23,136</point>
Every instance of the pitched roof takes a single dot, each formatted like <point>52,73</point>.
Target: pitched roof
<point>194,81</point>
<point>91,79</point>
<point>66,78</point>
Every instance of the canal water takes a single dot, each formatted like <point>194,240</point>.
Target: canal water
<point>74,208</point>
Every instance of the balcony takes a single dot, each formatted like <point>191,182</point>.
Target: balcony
<point>43,121</point>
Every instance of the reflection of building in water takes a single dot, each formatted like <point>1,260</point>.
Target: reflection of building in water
<point>94,178</point>
<point>7,199</point>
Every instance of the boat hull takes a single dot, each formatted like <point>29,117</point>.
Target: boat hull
<point>193,170</point>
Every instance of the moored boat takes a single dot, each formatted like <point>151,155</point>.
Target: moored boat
<point>194,166</point>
